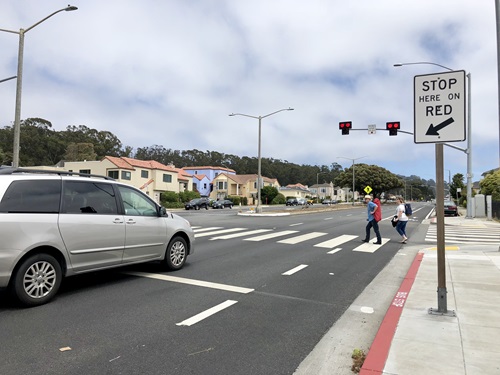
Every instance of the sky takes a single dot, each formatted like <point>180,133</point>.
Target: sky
<point>169,73</point>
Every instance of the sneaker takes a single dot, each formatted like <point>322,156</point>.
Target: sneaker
<point>377,243</point>
<point>365,240</point>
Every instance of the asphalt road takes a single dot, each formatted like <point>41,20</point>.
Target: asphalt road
<point>239,306</point>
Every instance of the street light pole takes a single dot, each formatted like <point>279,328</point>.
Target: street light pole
<point>468,151</point>
<point>258,208</point>
<point>17,118</point>
<point>353,179</point>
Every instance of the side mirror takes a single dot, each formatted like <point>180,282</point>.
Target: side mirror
<point>163,211</point>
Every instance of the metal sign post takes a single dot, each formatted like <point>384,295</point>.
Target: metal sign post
<point>439,112</point>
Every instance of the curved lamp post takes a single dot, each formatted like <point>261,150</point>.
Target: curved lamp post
<point>467,151</point>
<point>258,208</point>
<point>17,118</point>
<point>353,179</point>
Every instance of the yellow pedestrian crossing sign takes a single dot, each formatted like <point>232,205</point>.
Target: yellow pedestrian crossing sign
<point>368,189</point>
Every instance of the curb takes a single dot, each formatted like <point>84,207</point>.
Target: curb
<point>379,350</point>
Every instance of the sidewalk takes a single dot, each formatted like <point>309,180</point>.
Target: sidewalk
<point>466,340</point>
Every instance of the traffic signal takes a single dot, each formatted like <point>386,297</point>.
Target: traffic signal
<point>393,127</point>
<point>345,127</point>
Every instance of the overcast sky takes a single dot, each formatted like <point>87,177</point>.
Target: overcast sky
<point>169,72</point>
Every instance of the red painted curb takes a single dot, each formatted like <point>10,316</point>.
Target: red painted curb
<point>379,350</point>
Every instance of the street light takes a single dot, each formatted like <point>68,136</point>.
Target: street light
<point>17,118</point>
<point>258,208</point>
<point>361,157</point>
<point>468,150</point>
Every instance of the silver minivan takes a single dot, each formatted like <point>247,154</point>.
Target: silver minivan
<point>55,224</point>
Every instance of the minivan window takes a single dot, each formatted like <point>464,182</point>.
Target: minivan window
<point>82,197</point>
<point>32,196</point>
<point>136,203</point>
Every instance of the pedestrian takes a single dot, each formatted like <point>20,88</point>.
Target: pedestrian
<point>401,219</point>
<point>371,210</point>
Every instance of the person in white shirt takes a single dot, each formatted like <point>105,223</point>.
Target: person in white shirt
<point>402,219</point>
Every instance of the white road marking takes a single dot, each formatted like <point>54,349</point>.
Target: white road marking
<point>303,237</point>
<point>241,234</point>
<point>205,314</point>
<point>334,251</point>
<point>198,229</point>
<point>205,284</point>
<point>271,235</point>
<point>370,247</point>
<point>197,235</point>
<point>330,244</point>
<point>293,225</point>
<point>293,270</point>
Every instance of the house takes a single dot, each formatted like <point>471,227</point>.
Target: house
<point>204,176</point>
<point>245,185</point>
<point>295,191</point>
<point>150,176</point>
<point>328,191</point>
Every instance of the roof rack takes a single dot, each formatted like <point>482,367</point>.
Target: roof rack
<point>12,170</point>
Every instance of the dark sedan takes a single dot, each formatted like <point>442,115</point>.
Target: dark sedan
<point>197,203</point>
<point>222,204</point>
<point>450,208</point>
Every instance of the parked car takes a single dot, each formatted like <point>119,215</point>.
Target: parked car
<point>55,224</point>
<point>450,208</point>
<point>326,201</point>
<point>301,201</point>
<point>291,202</point>
<point>197,203</point>
<point>222,203</point>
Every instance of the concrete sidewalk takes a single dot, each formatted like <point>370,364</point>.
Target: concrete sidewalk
<point>464,341</point>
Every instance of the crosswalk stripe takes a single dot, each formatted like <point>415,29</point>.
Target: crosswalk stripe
<point>330,244</point>
<point>303,237</point>
<point>334,251</point>
<point>271,235</point>
<point>198,229</point>
<point>205,234</point>
<point>241,234</point>
<point>463,235</point>
<point>370,247</point>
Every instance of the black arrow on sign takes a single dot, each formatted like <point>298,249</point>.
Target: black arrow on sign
<point>433,130</point>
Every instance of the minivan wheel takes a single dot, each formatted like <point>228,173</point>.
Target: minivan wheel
<point>37,280</point>
<point>176,254</point>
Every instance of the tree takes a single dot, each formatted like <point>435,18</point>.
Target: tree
<point>457,182</point>
<point>378,178</point>
<point>80,152</point>
<point>268,193</point>
<point>490,185</point>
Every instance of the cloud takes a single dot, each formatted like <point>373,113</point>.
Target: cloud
<point>170,73</point>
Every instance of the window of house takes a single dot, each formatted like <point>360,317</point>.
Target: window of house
<point>205,185</point>
<point>144,174</point>
<point>113,174</point>
<point>221,185</point>
<point>87,171</point>
<point>126,175</point>
<point>167,178</point>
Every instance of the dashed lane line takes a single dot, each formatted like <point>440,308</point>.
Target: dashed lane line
<point>182,280</point>
<point>207,313</point>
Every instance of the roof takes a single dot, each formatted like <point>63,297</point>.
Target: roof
<point>129,163</point>
<point>209,168</point>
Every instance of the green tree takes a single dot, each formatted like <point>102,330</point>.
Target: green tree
<point>80,152</point>
<point>457,182</point>
<point>490,185</point>
<point>268,193</point>
<point>378,178</point>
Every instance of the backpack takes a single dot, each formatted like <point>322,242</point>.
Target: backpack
<point>378,213</point>
<point>408,210</point>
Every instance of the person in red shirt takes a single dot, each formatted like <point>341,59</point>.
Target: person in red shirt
<point>372,209</point>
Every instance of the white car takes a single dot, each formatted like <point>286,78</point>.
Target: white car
<point>55,224</point>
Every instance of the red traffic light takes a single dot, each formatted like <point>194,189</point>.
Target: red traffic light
<point>393,127</point>
<point>345,127</point>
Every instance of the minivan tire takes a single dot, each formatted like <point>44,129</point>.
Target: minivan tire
<point>37,280</point>
<point>176,253</point>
